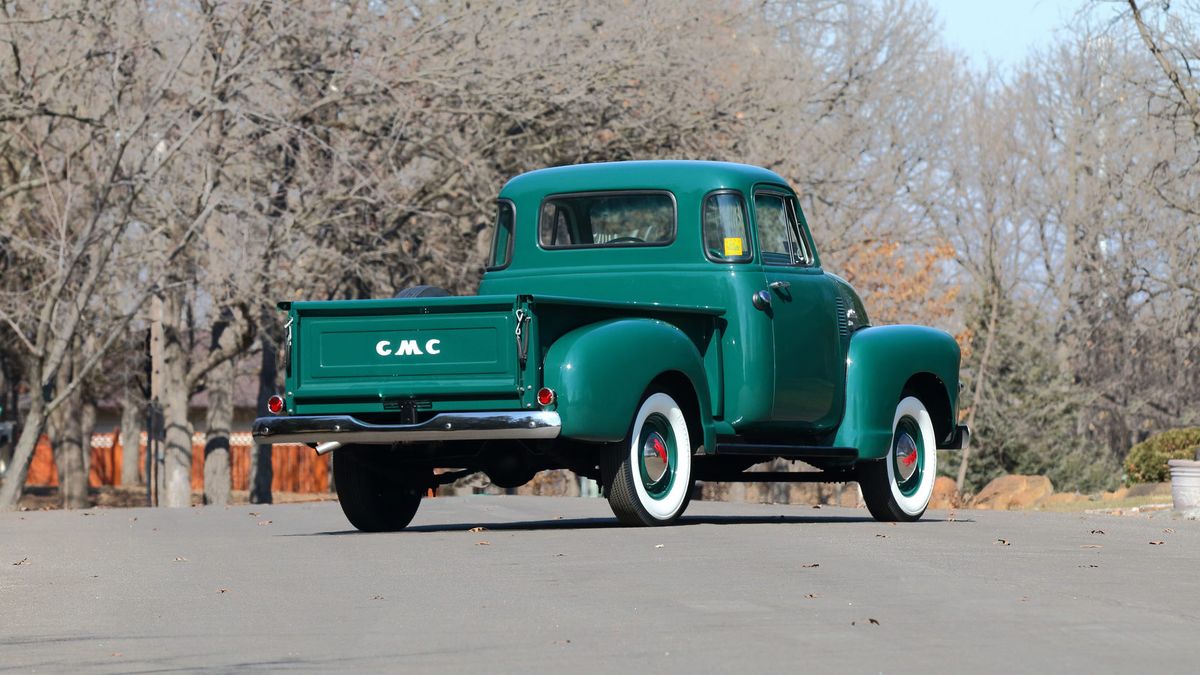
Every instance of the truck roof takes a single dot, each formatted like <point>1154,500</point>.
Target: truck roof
<point>674,175</point>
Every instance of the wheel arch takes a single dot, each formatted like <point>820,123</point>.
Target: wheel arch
<point>931,391</point>
<point>885,362</point>
<point>601,371</point>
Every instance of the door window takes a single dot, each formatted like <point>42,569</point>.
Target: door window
<point>778,233</point>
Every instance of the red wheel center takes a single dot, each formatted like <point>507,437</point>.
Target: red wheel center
<point>659,448</point>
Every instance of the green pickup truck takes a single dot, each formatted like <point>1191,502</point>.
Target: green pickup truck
<point>644,324</point>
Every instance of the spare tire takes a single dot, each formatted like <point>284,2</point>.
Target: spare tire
<point>423,292</point>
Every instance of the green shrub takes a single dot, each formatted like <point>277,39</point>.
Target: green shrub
<point>1147,461</point>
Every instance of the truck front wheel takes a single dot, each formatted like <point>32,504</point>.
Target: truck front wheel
<point>898,487</point>
<point>377,495</point>
<point>652,480</point>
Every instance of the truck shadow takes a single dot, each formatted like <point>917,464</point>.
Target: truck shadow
<point>611,523</point>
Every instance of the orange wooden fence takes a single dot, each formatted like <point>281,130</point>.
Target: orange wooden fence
<point>296,467</point>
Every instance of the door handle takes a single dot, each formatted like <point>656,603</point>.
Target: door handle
<point>776,285</point>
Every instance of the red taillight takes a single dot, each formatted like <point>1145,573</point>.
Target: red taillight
<point>546,396</point>
<point>275,404</point>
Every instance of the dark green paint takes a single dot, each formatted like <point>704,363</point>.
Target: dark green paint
<point>881,361</point>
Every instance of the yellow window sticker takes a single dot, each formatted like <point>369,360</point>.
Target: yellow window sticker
<point>733,247</point>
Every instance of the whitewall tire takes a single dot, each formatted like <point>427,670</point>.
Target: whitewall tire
<point>898,488</point>
<point>652,482</point>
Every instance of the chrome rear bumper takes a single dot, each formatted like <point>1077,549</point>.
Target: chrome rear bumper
<point>333,431</point>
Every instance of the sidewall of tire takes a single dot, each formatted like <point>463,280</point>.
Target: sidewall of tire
<point>671,505</point>
<point>372,500</point>
<point>630,501</point>
<point>914,505</point>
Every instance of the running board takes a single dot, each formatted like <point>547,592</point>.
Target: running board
<point>801,452</point>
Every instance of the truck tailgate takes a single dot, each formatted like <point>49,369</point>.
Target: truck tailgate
<point>383,351</point>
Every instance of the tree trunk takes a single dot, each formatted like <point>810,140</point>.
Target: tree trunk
<point>261,472</point>
<point>87,429</point>
<point>66,435</point>
<point>68,455</point>
<point>133,414</point>
<point>977,392</point>
<point>177,468</point>
<point>18,471</point>
<point>217,482</point>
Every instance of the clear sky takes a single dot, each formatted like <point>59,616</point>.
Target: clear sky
<point>1003,30</point>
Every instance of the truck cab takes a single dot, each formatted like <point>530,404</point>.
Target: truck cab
<point>646,324</point>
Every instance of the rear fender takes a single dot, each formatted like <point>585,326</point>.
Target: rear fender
<point>600,371</point>
<point>885,361</point>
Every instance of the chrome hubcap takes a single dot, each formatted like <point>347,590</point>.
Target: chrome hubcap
<point>906,456</point>
<point>654,457</point>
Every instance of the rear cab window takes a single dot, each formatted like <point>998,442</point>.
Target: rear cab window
<point>607,219</point>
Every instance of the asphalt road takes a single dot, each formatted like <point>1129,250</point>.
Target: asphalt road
<point>554,585</point>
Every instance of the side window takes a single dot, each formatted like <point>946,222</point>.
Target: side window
<point>778,233</point>
<point>502,235</point>
<point>724,222</point>
<point>554,227</point>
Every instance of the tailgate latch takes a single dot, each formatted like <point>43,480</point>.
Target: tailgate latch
<point>522,337</point>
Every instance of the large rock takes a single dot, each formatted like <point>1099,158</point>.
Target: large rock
<point>945,494</point>
<point>1013,492</point>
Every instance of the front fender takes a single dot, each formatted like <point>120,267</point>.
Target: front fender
<point>601,370</point>
<point>880,362</point>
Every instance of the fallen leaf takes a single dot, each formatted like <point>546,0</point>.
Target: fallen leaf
<point>180,558</point>
<point>482,543</point>
<point>477,529</point>
<point>133,519</point>
<point>813,565</point>
<point>264,522</point>
<point>22,561</point>
<point>1097,532</point>
<point>873,621</point>
<point>659,545</point>
<point>1156,543</point>
<point>1002,542</point>
<point>117,654</point>
<point>1091,546</point>
<point>253,513</point>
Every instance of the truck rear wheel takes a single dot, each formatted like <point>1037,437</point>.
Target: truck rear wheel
<point>652,482</point>
<point>898,487</point>
<point>376,495</point>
